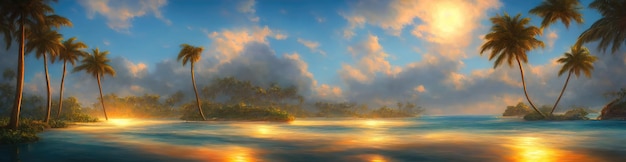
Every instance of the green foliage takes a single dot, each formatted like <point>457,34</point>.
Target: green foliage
<point>347,109</point>
<point>26,132</point>
<point>57,124</point>
<point>573,114</point>
<point>517,110</point>
<point>146,106</point>
<point>236,112</point>
<point>230,91</point>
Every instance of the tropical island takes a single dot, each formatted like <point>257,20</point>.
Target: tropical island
<point>34,25</point>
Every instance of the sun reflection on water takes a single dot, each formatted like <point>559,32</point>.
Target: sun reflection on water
<point>532,149</point>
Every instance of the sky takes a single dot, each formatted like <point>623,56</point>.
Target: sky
<point>365,51</point>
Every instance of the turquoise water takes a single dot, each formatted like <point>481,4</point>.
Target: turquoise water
<point>428,138</point>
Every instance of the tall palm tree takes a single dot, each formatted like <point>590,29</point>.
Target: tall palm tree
<point>577,60</point>
<point>22,15</point>
<point>554,10</point>
<point>192,54</point>
<point>510,38</point>
<point>610,29</point>
<point>45,42</point>
<point>97,64</point>
<point>70,53</point>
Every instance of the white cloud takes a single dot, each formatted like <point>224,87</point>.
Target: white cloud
<point>312,45</point>
<point>247,7</point>
<point>551,37</point>
<point>371,60</point>
<point>443,21</point>
<point>228,44</point>
<point>119,13</point>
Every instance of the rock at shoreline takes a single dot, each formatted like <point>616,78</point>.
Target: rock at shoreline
<point>614,110</point>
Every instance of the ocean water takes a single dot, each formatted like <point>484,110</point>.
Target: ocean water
<point>427,138</point>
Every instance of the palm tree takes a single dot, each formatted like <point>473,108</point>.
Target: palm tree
<point>70,53</point>
<point>610,29</point>
<point>97,64</point>
<point>191,54</point>
<point>45,41</point>
<point>510,38</point>
<point>21,15</point>
<point>575,61</point>
<point>553,10</point>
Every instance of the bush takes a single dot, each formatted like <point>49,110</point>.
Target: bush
<point>574,114</point>
<point>26,132</point>
<point>533,116</point>
<point>236,112</point>
<point>80,117</point>
<point>57,124</point>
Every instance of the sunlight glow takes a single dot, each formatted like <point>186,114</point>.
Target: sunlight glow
<point>121,122</point>
<point>240,155</point>
<point>448,20</point>
<point>531,149</point>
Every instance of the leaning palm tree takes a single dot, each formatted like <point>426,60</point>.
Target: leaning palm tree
<point>20,16</point>
<point>70,53</point>
<point>191,54</point>
<point>97,64</point>
<point>610,29</point>
<point>554,10</point>
<point>510,38</point>
<point>575,61</point>
<point>45,42</point>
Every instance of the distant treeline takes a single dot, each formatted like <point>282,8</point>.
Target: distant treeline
<point>223,99</point>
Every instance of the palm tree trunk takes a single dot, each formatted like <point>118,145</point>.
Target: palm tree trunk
<point>563,90</point>
<point>193,80</point>
<point>102,98</point>
<point>524,85</point>
<point>61,90</point>
<point>15,113</point>
<point>45,66</point>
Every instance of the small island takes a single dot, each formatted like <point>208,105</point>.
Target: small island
<point>523,110</point>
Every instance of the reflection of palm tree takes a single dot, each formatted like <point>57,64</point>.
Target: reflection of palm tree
<point>45,41</point>
<point>510,39</point>
<point>610,29</point>
<point>70,53</point>
<point>97,64</point>
<point>191,54</point>
<point>553,10</point>
<point>21,15</point>
<point>575,61</point>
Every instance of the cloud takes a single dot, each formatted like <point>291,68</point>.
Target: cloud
<point>228,44</point>
<point>320,19</point>
<point>247,7</point>
<point>443,21</point>
<point>279,36</point>
<point>328,92</point>
<point>371,60</point>
<point>312,45</point>
<point>551,38</point>
<point>119,13</point>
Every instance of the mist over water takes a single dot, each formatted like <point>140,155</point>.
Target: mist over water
<point>429,138</point>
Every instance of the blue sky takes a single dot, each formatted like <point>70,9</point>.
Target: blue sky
<point>376,52</point>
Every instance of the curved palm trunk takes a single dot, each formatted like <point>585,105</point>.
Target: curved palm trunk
<point>193,80</point>
<point>45,66</point>
<point>61,90</point>
<point>524,85</point>
<point>15,113</point>
<point>102,98</point>
<point>563,90</point>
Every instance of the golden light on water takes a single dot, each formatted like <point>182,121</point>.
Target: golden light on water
<point>240,154</point>
<point>532,149</point>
